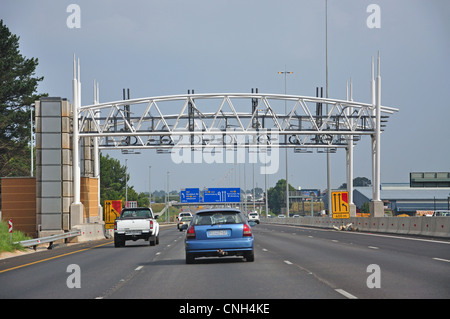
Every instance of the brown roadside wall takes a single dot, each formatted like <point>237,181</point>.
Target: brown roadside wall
<point>89,197</point>
<point>19,203</point>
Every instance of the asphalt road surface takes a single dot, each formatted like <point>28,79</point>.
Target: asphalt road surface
<point>290,263</point>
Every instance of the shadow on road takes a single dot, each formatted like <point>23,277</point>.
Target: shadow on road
<point>203,261</point>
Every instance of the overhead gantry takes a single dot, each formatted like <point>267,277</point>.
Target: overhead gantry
<point>264,122</point>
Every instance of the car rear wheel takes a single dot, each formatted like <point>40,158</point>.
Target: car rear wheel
<point>152,240</point>
<point>250,256</point>
<point>190,259</point>
<point>118,241</point>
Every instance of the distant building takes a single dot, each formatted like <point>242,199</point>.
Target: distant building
<point>404,199</point>
<point>429,179</point>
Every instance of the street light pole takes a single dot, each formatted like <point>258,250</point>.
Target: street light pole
<point>31,142</point>
<point>126,183</point>
<point>168,198</point>
<point>286,150</point>
<point>326,80</point>
<point>265,186</point>
<point>149,187</point>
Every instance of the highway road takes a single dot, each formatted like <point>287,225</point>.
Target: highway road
<point>290,263</point>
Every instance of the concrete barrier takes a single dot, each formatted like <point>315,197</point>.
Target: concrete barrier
<point>362,223</point>
<point>403,225</point>
<point>415,225</point>
<point>393,225</point>
<point>383,224</point>
<point>442,227</point>
<point>428,226</point>
<point>89,232</point>
<point>436,226</point>
<point>419,226</point>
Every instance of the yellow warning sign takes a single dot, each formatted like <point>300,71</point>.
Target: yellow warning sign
<point>112,211</point>
<point>340,206</point>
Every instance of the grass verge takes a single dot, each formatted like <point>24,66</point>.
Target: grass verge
<point>5,241</point>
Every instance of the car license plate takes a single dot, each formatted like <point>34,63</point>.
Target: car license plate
<point>218,233</point>
<point>133,232</point>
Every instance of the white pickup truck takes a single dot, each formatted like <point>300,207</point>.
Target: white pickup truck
<point>134,224</point>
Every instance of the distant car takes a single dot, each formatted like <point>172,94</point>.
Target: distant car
<point>218,233</point>
<point>296,216</point>
<point>441,213</point>
<point>281,216</point>
<point>253,216</point>
<point>185,214</point>
<point>184,222</point>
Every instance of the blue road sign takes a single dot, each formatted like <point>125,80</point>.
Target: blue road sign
<point>222,195</point>
<point>190,195</point>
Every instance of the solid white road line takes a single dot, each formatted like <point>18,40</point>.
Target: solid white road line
<point>441,259</point>
<point>346,294</point>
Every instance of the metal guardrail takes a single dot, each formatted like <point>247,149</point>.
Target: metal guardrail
<point>49,239</point>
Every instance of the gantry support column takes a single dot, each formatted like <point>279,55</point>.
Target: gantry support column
<point>376,205</point>
<point>349,157</point>
<point>53,166</point>
<point>76,209</point>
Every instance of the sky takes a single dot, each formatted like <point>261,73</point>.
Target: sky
<point>168,47</point>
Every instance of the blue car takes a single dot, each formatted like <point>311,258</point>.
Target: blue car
<point>218,233</point>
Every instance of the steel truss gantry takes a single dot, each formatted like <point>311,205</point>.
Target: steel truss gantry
<point>231,121</point>
<point>227,119</point>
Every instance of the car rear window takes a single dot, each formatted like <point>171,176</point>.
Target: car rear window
<point>142,213</point>
<point>214,218</point>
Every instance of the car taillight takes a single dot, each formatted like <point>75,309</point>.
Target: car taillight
<point>115,225</point>
<point>151,224</point>
<point>247,230</point>
<point>190,234</point>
